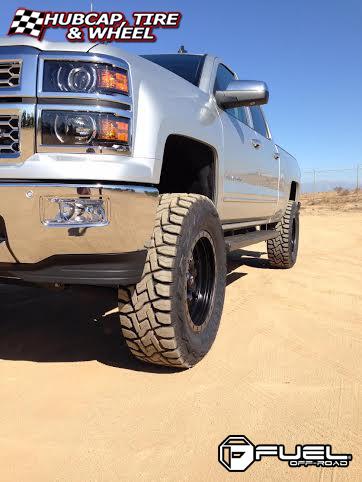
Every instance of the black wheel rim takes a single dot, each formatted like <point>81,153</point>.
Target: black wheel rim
<point>200,281</point>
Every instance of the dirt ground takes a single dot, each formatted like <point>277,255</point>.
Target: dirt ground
<point>338,200</point>
<point>285,368</point>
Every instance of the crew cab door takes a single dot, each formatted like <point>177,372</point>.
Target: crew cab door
<point>266,158</point>
<point>250,175</point>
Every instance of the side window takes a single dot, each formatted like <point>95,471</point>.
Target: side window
<point>258,121</point>
<point>223,77</point>
<point>241,115</point>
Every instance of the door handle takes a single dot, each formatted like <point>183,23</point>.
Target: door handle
<point>256,143</point>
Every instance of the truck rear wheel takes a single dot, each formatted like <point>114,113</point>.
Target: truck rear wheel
<point>172,315</point>
<point>283,250</point>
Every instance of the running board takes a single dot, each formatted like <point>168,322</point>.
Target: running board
<point>241,240</point>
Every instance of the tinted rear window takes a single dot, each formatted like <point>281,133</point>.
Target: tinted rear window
<point>189,67</point>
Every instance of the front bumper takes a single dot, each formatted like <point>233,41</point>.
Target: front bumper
<point>25,239</point>
<point>87,269</point>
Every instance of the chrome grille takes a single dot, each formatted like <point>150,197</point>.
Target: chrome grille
<point>9,73</point>
<point>9,134</point>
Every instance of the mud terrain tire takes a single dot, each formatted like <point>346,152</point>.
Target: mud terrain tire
<point>283,250</point>
<point>172,315</point>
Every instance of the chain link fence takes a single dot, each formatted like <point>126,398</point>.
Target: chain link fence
<point>324,180</point>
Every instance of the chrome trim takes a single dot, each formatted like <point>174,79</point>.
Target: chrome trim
<point>244,224</point>
<point>88,102</point>
<point>83,57</point>
<point>26,115</point>
<point>82,149</point>
<point>242,93</point>
<point>149,190</point>
<point>12,122</point>
<point>132,212</point>
<point>28,56</point>
<point>247,199</point>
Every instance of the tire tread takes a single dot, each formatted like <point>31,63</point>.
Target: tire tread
<point>145,308</point>
<point>278,248</point>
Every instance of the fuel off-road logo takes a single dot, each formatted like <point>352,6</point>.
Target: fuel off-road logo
<point>94,26</point>
<point>237,454</point>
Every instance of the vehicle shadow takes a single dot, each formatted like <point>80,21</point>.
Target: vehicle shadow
<point>76,324</point>
<point>243,257</point>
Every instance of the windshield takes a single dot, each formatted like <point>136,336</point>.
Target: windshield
<point>189,67</point>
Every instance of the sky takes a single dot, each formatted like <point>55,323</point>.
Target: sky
<point>309,52</point>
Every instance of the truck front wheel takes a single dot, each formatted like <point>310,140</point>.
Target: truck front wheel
<point>283,250</point>
<point>172,315</point>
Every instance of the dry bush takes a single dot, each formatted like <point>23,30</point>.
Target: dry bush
<point>341,191</point>
<point>344,192</point>
<point>332,201</point>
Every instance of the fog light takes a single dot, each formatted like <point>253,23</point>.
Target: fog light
<point>75,212</point>
<point>66,210</point>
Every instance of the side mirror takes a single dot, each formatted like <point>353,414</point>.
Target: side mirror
<point>243,93</point>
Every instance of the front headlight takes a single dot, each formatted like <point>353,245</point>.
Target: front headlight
<point>83,128</point>
<point>84,77</point>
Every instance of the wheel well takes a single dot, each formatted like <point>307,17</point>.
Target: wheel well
<point>294,190</point>
<point>188,167</point>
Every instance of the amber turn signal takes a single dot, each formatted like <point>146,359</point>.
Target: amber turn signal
<point>112,79</point>
<point>112,129</point>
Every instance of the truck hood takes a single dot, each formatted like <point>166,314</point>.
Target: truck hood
<point>46,46</point>
<point>22,40</point>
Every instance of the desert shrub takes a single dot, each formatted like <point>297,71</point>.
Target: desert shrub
<point>341,191</point>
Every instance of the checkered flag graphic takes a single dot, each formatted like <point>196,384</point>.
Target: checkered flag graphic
<point>27,22</point>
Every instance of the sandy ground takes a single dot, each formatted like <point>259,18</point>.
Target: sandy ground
<point>285,368</point>
<point>341,200</point>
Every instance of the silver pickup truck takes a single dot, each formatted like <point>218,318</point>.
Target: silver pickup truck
<point>139,172</point>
